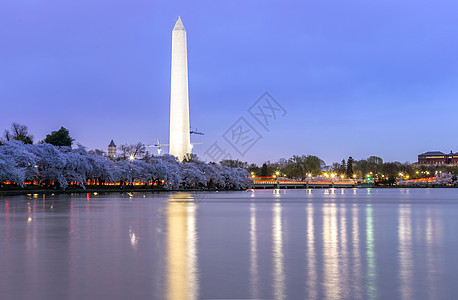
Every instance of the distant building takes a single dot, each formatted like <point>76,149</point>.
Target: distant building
<point>438,158</point>
<point>112,150</point>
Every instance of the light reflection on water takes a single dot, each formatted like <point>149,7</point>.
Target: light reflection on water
<point>277,253</point>
<point>254,270</point>
<point>433,263</point>
<point>370,254</point>
<point>182,263</point>
<point>405,252</point>
<point>311,283</point>
<point>331,252</point>
<point>314,244</point>
<point>356,262</point>
<point>343,251</point>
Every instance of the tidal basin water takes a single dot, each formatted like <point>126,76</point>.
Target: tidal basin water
<point>261,244</point>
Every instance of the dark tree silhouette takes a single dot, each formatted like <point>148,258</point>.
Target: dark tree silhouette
<point>60,137</point>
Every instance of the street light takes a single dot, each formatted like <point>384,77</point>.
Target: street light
<point>332,179</point>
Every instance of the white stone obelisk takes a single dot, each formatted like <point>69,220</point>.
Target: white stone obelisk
<point>180,140</point>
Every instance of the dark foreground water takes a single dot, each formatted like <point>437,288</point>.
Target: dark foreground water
<point>296,244</point>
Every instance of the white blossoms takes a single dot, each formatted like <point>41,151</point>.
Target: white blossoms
<point>48,164</point>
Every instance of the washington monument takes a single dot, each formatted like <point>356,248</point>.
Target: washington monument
<point>179,140</point>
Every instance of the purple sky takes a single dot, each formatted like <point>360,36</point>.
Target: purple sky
<point>356,78</point>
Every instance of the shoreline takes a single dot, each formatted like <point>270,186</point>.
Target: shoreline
<point>18,192</point>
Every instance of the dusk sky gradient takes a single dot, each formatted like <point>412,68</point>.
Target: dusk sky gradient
<point>357,78</point>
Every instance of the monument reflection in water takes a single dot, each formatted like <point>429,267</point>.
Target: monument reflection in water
<point>182,263</point>
<point>313,244</point>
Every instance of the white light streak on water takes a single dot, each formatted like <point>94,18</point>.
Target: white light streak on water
<point>332,284</point>
<point>278,256</point>
<point>370,255</point>
<point>405,252</point>
<point>310,257</point>
<point>357,267</point>
<point>254,269</point>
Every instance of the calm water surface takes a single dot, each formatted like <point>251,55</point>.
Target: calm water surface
<point>262,244</point>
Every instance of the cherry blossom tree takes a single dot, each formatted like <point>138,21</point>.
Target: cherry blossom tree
<point>60,166</point>
<point>191,176</point>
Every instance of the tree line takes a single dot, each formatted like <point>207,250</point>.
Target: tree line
<point>372,168</point>
<point>54,163</point>
<point>129,166</point>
